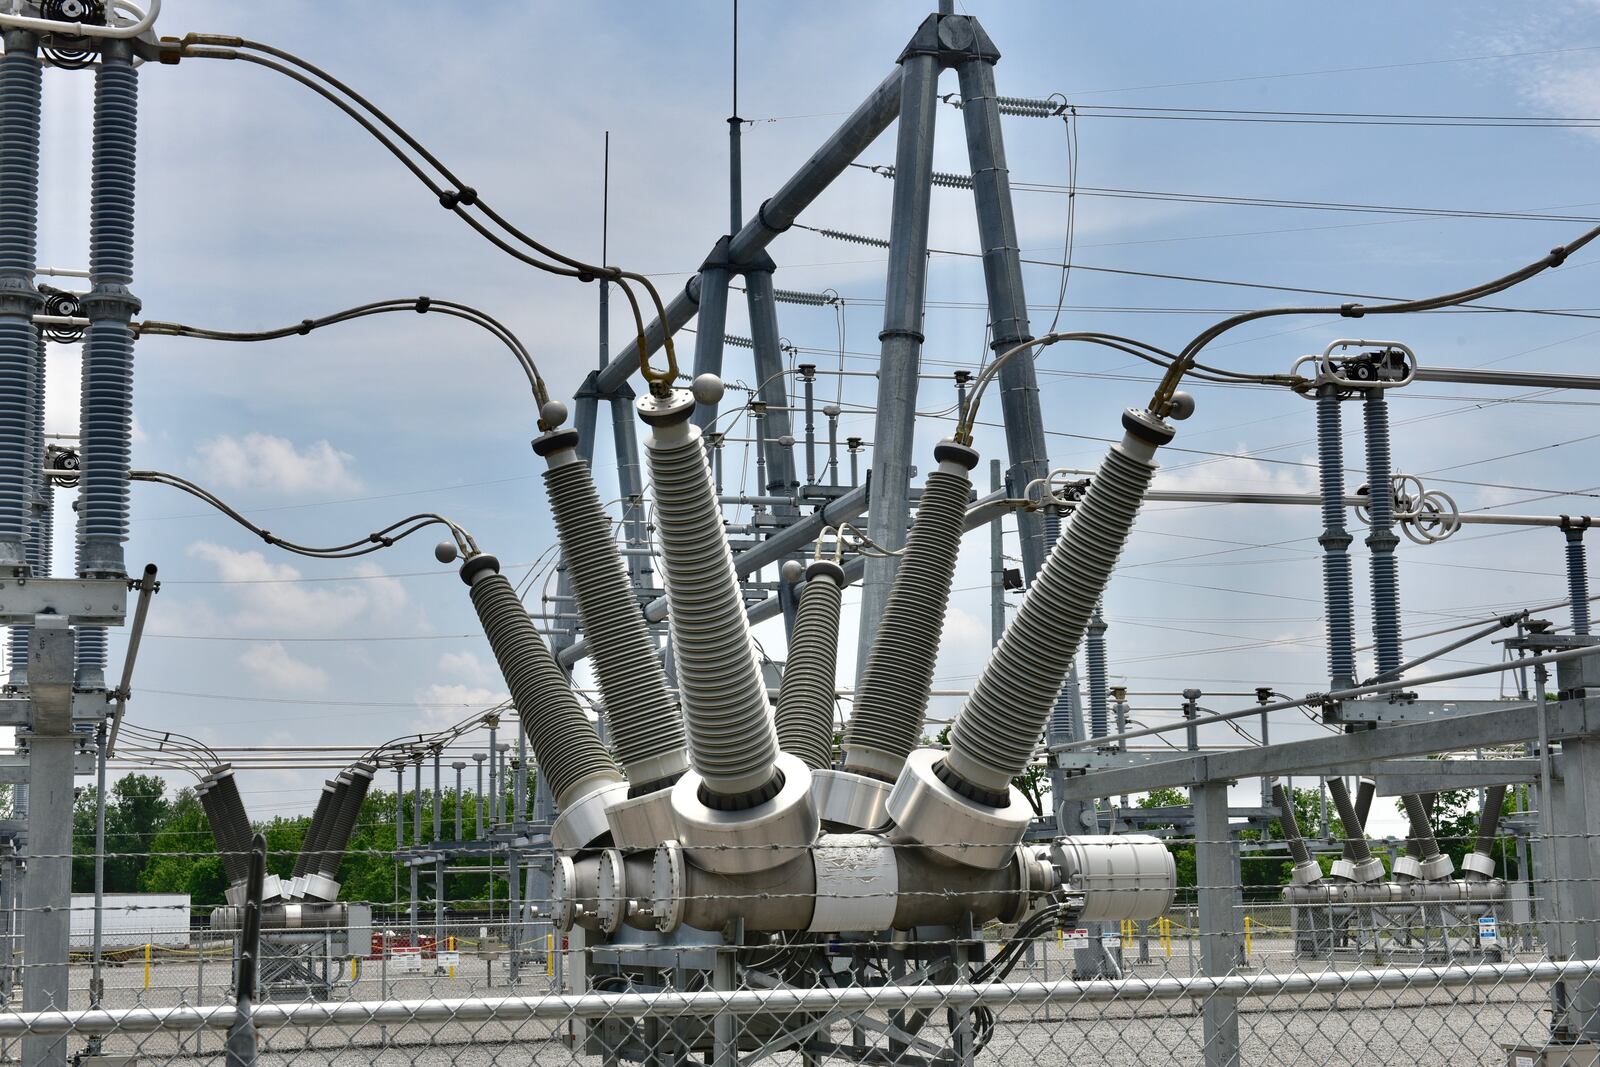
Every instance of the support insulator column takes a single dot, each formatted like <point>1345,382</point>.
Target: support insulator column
<point>1095,657</point>
<point>1381,541</point>
<point>106,420</point>
<point>1338,592</point>
<point>20,92</point>
<point>1577,576</point>
<point>41,525</point>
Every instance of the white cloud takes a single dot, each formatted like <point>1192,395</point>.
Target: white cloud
<point>448,703</point>
<point>262,461</point>
<point>1240,473</point>
<point>274,597</point>
<point>467,666</point>
<point>273,666</point>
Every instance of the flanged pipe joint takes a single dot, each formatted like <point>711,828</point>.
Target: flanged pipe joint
<point>744,805</point>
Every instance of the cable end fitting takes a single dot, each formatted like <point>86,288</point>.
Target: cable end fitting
<point>555,441</point>
<point>958,452</point>
<point>1146,426</point>
<point>478,564</point>
<point>826,568</point>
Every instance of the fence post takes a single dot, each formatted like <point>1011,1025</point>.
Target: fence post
<point>241,1044</point>
<point>1218,894</point>
<point>200,994</point>
<point>1577,817</point>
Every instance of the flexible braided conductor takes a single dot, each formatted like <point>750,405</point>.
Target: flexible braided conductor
<point>805,700</point>
<point>565,745</point>
<point>997,731</point>
<point>643,720</point>
<point>732,743</point>
<point>892,697</point>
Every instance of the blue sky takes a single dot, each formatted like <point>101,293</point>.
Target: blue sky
<point>261,205</point>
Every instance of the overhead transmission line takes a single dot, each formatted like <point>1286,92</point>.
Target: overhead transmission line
<point>878,242</point>
<point>1057,105</point>
<point>453,194</point>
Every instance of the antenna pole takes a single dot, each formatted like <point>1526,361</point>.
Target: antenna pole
<point>605,234</point>
<point>735,176</point>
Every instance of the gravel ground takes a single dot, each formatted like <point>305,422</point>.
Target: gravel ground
<point>1418,1025</point>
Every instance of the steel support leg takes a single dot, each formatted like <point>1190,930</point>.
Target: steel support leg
<point>1574,830</point>
<point>712,327</point>
<point>1008,303</point>
<point>772,387</point>
<point>901,339</point>
<point>48,886</point>
<point>630,484</point>
<point>1219,897</point>
<point>997,564</point>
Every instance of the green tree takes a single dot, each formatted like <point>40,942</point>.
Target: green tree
<point>136,811</point>
<point>1182,851</point>
<point>183,857</point>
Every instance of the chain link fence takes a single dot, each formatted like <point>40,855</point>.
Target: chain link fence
<point>1323,984</point>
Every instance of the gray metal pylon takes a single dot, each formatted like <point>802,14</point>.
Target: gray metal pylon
<point>901,337</point>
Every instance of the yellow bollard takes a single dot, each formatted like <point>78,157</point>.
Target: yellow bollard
<point>147,965</point>
<point>1247,935</point>
<point>451,941</point>
<point>550,955</point>
<point>355,968</point>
